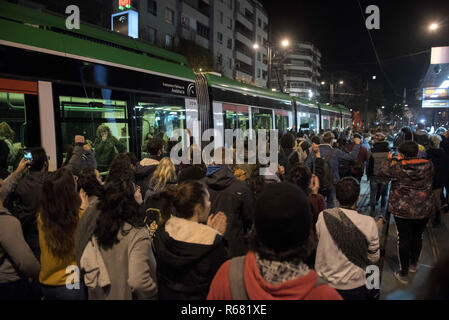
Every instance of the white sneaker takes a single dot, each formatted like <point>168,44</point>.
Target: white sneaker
<point>400,278</point>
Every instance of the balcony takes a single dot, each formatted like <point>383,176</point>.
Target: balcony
<point>243,57</point>
<point>243,20</point>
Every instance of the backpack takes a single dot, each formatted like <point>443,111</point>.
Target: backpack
<point>350,168</point>
<point>237,281</point>
<point>322,169</point>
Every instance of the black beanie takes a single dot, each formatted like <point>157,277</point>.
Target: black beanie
<point>282,218</point>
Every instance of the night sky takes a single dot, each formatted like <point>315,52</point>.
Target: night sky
<point>338,29</point>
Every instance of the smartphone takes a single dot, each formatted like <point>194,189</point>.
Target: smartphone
<point>28,156</point>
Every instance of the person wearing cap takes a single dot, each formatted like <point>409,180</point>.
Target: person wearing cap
<point>378,183</point>
<point>348,242</point>
<point>274,268</point>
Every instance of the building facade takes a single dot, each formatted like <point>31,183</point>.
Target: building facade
<point>229,29</point>
<point>297,70</point>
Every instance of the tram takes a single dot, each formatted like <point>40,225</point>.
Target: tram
<point>56,83</point>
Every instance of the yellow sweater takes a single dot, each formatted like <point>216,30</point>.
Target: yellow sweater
<point>53,269</point>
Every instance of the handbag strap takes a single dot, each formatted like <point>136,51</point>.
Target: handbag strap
<point>236,279</point>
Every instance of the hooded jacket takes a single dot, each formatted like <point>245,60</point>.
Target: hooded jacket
<point>440,162</point>
<point>411,194</point>
<point>188,255</point>
<point>233,197</point>
<point>144,171</point>
<point>301,288</point>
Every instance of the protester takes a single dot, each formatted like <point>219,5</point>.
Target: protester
<point>410,202</point>
<point>17,262</point>
<point>357,167</point>
<point>378,183</point>
<point>146,167</point>
<point>188,253</point>
<point>61,208</point>
<point>421,136</point>
<point>164,175</point>
<point>348,243</point>
<point>324,163</point>
<point>310,184</point>
<point>440,161</point>
<point>90,182</point>
<point>25,201</point>
<point>233,197</point>
<point>113,247</point>
<point>7,135</point>
<point>274,269</point>
<point>288,156</point>
<point>106,147</point>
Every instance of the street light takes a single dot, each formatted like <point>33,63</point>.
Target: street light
<point>341,82</point>
<point>256,46</point>
<point>433,26</point>
<point>323,83</point>
<point>285,43</point>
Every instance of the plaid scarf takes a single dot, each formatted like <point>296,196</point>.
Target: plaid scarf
<point>277,272</point>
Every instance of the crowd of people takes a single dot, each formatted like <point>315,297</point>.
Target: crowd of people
<point>156,230</point>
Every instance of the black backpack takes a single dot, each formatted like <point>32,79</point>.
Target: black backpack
<point>322,169</point>
<point>351,168</point>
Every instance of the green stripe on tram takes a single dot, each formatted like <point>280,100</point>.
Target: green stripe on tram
<point>45,19</point>
<point>226,83</point>
<point>28,35</point>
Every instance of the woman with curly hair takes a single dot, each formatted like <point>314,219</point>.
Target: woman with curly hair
<point>106,147</point>
<point>61,208</point>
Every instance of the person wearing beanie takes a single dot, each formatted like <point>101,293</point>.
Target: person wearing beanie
<point>348,242</point>
<point>274,268</point>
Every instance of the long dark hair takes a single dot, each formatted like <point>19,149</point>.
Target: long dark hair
<point>60,206</point>
<point>87,180</point>
<point>117,204</point>
<point>300,175</point>
<point>181,200</point>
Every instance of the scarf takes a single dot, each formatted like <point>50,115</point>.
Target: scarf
<point>277,272</point>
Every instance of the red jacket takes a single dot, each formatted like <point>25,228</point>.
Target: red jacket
<point>302,288</point>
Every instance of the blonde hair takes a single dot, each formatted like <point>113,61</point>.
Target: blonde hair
<point>165,173</point>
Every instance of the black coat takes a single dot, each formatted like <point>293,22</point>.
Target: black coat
<point>440,160</point>
<point>234,198</point>
<point>184,269</point>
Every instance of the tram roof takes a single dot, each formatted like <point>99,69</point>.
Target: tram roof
<point>229,84</point>
<point>329,108</point>
<point>41,29</point>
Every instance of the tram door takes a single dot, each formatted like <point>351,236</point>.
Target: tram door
<point>19,119</point>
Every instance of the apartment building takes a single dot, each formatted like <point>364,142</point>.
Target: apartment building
<point>297,69</point>
<point>228,28</point>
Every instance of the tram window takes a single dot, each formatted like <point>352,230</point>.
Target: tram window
<point>158,117</point>
<point>236,117</point>
<point>326,124</point>
<point>281,118</point>
<point>262,119</point>
<point>15,130</point>
<point>103,123</point>
<point>230,121</point>
<point>313,123</point>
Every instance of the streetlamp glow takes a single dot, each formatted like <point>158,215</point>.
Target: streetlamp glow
<point>433,26</point>
<point>341,82</point>
<point>323,83</point>
<point>285,43</point>
<point>255,46</point>
<point>374,77</point>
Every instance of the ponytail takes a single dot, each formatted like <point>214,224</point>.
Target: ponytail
<point>181,200</point>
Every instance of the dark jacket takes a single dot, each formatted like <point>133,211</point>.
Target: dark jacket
<point>440,162</point>
<point>144,171</point>
<point>411,195</point>
<point>445,144</point>
<point>288,158</point>
<point>233,197</point>
<point>379,153</point>
<point>24,205</point>
<point>105,151</point>
<point>188,255</point>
